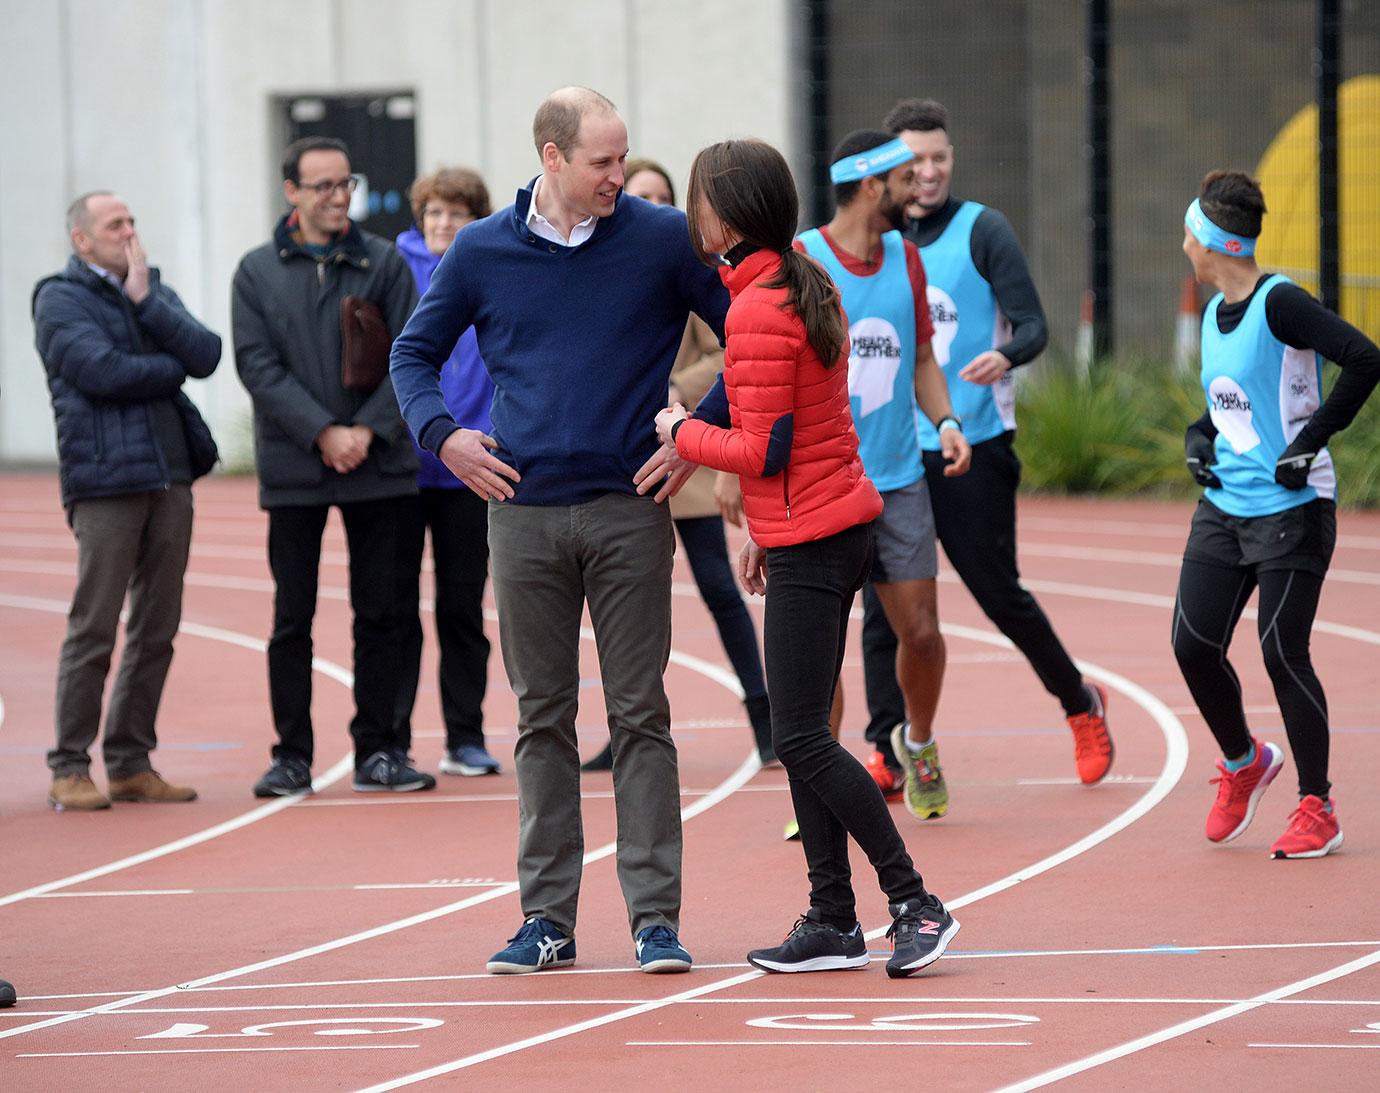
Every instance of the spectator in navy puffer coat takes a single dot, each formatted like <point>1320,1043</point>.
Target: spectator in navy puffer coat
<point>443,202</point>
<point>118,345</point>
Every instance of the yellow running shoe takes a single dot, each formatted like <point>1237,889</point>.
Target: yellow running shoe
<point>927,795</point>
<point>792,832</point>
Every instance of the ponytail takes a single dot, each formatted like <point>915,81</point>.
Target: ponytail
<point>812,294</point>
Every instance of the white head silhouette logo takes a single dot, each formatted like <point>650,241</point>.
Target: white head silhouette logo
<point>874,357</point>
<point>944,316</point>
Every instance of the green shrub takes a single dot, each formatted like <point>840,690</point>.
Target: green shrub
<point>1120,430</point>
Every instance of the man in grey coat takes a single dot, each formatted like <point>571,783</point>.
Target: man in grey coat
<point>118,345</point>
<point>317,444</point>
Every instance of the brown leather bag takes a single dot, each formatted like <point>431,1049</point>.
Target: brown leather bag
<point>364,344</point>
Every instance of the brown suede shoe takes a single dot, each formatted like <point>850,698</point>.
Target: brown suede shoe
<point>76,793</point>
<point>148,785</point>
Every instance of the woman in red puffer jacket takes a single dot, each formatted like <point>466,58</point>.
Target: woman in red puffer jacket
<point>781,422</point>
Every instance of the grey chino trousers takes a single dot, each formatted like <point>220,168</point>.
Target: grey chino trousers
<point>137,543</point>
<point>614,552</point>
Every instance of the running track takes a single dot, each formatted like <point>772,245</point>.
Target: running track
<point>339,942</point>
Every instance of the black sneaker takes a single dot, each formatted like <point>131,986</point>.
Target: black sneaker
<point>7,995</point>
<point>602,761</point>
<point>920,932</point>
<point>390,772</point>
<point>813,946</point>
<point>286,777</point>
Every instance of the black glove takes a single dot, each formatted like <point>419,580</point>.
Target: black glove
<point>1200,454</point>
<point>1291,470</point>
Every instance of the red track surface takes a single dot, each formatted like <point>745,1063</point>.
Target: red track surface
<point>339,942</point>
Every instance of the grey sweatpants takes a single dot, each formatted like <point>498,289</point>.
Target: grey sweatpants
<point>614,552</point>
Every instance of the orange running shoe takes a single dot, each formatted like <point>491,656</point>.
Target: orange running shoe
<point>892,783</point>
<point>1092,744</point>
<point>1238,792</point>
<point>1313,831</point>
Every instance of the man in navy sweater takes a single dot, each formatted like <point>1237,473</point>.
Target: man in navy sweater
<point>579,297</point>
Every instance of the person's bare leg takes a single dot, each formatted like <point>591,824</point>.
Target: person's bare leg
<point>912,608</point>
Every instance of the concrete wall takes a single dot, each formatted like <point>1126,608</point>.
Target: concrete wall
<point>169,102</point>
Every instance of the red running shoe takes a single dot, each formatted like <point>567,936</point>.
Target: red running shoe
<point>892,783</point>
<point>1238,792</point>
<point>1313,831</point>
<point>1092,744</point>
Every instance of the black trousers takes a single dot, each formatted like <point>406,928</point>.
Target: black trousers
<point>1208,607</point>
<point>810,590</point>
<point>372,531</point>
<point>459,523</point>
<point>706,549</point>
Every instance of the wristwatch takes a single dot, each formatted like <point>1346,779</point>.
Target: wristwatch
<point>950,421</point>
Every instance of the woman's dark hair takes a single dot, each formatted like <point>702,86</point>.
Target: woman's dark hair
<point>636,165</point>
<point>748,186</point>
<point>1232,200</point>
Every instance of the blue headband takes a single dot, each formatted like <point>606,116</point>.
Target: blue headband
<point>876,161</point>
<point>1215,238</point>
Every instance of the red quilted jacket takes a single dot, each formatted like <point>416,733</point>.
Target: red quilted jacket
<point>791,439</point>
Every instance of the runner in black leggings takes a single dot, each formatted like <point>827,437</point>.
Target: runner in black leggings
<point>1267,519</point>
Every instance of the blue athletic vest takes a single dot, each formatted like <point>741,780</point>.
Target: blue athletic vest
<point>881,360</point>
<point>967,322</point>
<point>1260,393</point>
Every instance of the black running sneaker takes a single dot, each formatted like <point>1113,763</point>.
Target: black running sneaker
<point>286,777</point>
<point>813,946</point>
<point>920,932</point>
<point>390,772</point>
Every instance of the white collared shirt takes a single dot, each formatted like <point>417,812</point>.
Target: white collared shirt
<point>542,227</point>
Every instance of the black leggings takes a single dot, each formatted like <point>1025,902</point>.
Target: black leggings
<point>810,589</point>
<point>1210,601</point>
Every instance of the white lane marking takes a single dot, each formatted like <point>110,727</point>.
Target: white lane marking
<point>1151,599</point>
<point>1331,1047</point>
<point>1120,1051</point>
<point>212,1050</point>
<point>1167,561</point>
<point>891,1003</point>
<point>1176,756</point>
<point>212,633</point>
<point>117,892</point>
<point>749,767</point>
<point>500,798</point>
<point>827,1043</point>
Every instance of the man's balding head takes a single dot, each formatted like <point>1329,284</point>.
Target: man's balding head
<point>558,117</point>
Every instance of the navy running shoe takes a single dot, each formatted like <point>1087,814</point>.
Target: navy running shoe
<point>390,772</point>
<point>659,951</point>
<point>920,932</point>
<point>538,945</point>
<point>814,946</point>
<point>286,777</point>
<point>472,761</point>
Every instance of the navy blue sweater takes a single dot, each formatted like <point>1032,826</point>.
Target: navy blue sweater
<point>579,342</point>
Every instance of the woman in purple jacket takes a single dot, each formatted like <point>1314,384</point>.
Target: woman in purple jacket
<point>443,202</point>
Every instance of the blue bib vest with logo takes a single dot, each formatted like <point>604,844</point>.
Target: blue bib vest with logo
<point>1260,393</point>
<point>881,360</point>
<point>967,322</point>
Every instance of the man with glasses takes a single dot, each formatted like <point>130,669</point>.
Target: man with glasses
<point>318,443</point>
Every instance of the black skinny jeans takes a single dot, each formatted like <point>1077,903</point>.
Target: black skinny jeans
<point>810,589</point>
<point>1209,605</point>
